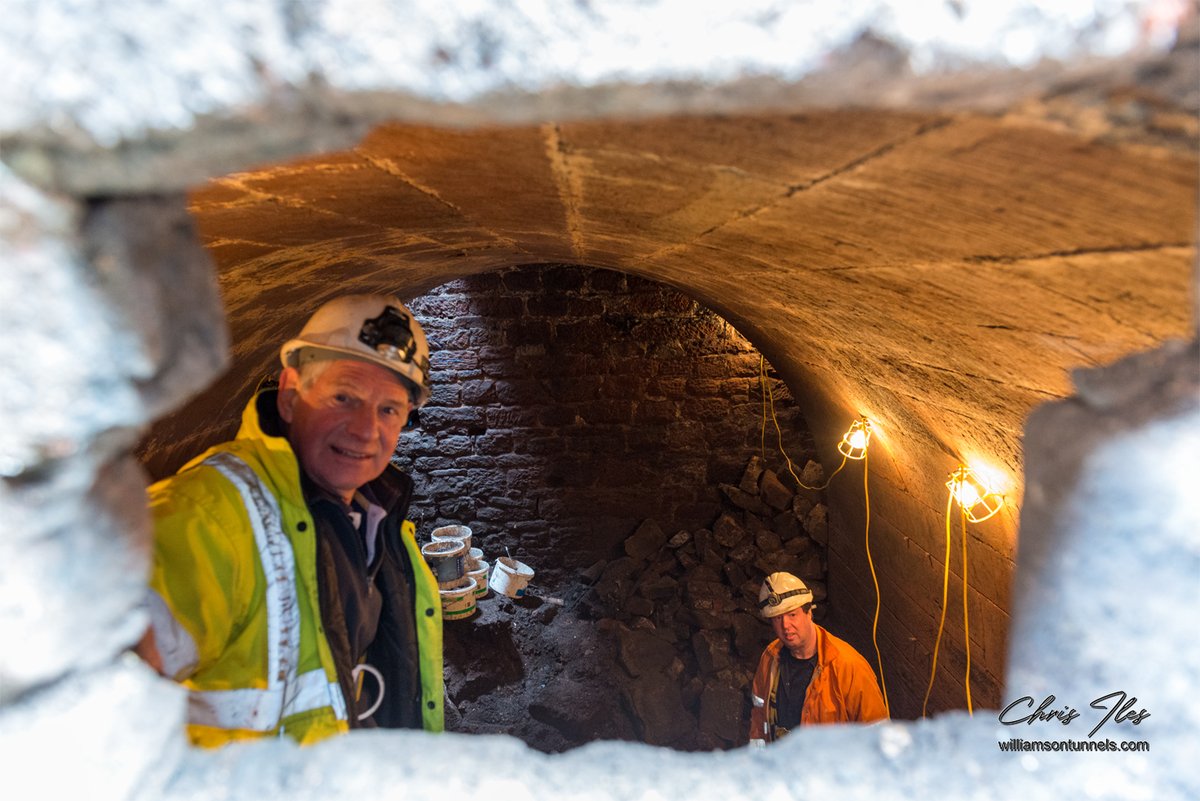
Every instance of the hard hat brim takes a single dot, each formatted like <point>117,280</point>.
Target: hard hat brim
<point>289,355</point>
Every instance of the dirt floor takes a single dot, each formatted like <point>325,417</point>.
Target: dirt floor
<point>532,669</point>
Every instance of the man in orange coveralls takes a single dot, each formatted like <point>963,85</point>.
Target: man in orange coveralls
<point>807,675</point>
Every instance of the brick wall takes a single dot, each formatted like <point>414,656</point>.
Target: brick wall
<point>571,404</point>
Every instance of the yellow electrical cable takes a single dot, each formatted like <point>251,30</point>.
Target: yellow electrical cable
<point>966,626</point>
<point>762,385</point>
<point>768,392</point>
<point>945,596</point>
<point>875,625</point>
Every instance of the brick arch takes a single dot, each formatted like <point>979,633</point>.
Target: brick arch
<point>940,274</point>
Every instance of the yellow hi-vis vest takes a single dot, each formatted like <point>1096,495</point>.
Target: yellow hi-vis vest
<point>234,602</point>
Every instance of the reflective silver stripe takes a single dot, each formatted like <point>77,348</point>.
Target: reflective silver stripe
<point>314,691</point>
<point>283,611</point>
<point>261,710</point>
<point>758,703</point>
<point>175,646</point>
<point>275,552</point>
<point>337,701</point>
<point>256,710</point>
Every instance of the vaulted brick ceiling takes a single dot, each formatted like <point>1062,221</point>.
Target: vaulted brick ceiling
<point>941,274</point>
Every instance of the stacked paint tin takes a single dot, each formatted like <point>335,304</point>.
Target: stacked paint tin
<point>457,567</point>
<point>477,569</point>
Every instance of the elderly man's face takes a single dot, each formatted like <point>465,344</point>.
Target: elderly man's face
<point>796,631</point>
<point>344,428</point>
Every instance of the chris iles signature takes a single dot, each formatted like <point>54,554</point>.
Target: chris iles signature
<point>1117,707</point>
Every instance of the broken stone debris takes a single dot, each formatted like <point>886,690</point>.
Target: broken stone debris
<point>683,608</point>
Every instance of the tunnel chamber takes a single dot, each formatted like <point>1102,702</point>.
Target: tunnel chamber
<point>564,393</point>
<point>609,431</point>
<point>920,269</point>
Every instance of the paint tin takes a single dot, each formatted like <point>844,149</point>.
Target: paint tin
<point>446,559</point>
<point>458,602</point>
<point>443,533</point>
<point>480,574</point>
<point>511,577</point>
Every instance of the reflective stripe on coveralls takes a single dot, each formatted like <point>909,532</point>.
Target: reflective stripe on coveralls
<point>286,693</point>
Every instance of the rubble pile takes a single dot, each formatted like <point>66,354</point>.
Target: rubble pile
<point>682,606</point>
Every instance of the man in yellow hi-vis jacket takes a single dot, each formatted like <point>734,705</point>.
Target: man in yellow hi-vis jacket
<point>288,593</point>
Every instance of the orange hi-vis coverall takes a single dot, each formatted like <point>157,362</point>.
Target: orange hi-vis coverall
<point>843,688</point>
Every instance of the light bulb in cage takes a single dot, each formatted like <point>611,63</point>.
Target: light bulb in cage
<point>977,500</point>
<point>854,443</point>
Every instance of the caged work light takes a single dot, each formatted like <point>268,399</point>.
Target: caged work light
<point>854,443</point>
<point>977,500</point>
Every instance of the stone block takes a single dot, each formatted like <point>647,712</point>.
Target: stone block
<point>816,524</point>
<point>728,532</point>
<point>744,500</point>
<point>658,588</point>
<point>802,504</point>
<point>638,606</point>
<point>750,635</point>
<point>655,411</point>
<point>606,412</point>
<point>656,703</point>
<point>522,281</point>
<point>786,525</point>
<point>570,706</point>
<point>617,581</point>
<point>479,392</point>
<point>754,524</point>
<point>800,546</point>
<point>744,553</point>
<point>768,541</point>
<point>702,574</point>
<point>593,571</point>
<point>711,648</point>
<point>679,539</point>
<point>644,542</point>
<point>721,713</point>
<point>754,470</point>
<point>703,619</point>
<point>735,574</point>
<point>773,492</point>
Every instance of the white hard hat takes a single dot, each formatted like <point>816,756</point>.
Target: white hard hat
<point>371,328</point>
<point>781,593</point>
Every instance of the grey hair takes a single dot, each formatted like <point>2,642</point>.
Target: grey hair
<point>310,370</point>
<point>312,366</point>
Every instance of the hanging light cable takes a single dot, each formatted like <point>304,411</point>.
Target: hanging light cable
<point>945,596</point>
<point>966,625</point>
<point>853,445</point>
<point>768,394</point>
<point>976,503</point>
<point>875,579</point>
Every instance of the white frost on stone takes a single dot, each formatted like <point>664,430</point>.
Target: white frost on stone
<point>72,570</point>
<point>68,360</point>
<point>114,733</point>
<point>112,71</point>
